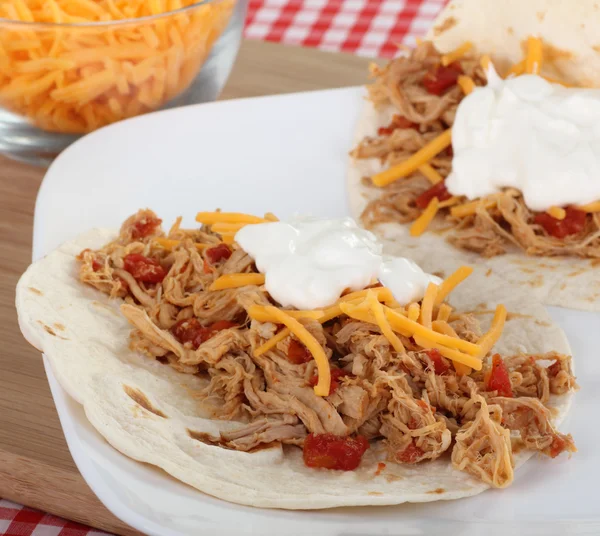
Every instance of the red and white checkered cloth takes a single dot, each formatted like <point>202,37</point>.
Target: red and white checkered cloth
<point>364,27</point>
<point>372,28</point>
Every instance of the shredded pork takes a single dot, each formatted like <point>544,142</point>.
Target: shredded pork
<point>413,402</point>
<point>502,221</point>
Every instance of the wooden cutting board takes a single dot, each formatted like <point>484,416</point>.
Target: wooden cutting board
<point>36,468</point>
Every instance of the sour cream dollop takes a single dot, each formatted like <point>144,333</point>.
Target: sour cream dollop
<point>526,133</point>
<point>308,263</point>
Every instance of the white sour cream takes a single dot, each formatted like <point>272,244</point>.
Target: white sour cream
<point>526,133</point>
<point>308,263</point>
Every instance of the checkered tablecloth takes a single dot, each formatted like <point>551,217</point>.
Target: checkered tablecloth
<point>372,28</point>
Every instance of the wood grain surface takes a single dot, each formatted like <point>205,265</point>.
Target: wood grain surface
<point>36,468</point>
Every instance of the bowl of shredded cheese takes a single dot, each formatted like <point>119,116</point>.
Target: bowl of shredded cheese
<point>69,67</point>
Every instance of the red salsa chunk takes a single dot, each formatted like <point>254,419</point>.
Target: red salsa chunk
<point>558,445</point>
<point>328,451</point>
<point>411,454</point>
<point>336,374</point>
<point>144,227</point>
<point>499,379</point>
<point>218,253</point>
<point>190,330</point>
<point>143,268</point>
<point>298,353</point>
<point>441,78</point>
<point>573,223</point>
<point>554,369</point>
<point>398,121</point>
<point>439,364</point>
<point>437,190</point>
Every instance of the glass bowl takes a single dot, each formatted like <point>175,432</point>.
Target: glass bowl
<point>59,81</point>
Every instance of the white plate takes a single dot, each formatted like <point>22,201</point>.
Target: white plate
<point>286,154</point>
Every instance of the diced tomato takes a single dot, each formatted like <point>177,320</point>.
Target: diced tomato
<point>207,268</point>
<point>558,445</point>
<point>437,190</point>
<point>328,451</point>
<point>440,78</point>
<point>439,364</point>
<point>145,227</point>
<point>219,253</point>
<point>298,353</point>
<point>554,369</point>
<point>190,330</point>
<point>398,121</point>
<point>96,265</point>
<point>220,325</point>
<point>573,223</point>
<point>336,374</point>
<point>499,379</point>
<point>143,268</point>
<point>411,454</point>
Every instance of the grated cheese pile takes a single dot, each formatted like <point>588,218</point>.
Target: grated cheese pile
<point>74,80</point>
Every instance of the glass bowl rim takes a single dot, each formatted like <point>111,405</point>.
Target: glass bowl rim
<point>105,23</point>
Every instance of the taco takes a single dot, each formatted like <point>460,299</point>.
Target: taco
<point>482,143</point>
<point>192,351</point>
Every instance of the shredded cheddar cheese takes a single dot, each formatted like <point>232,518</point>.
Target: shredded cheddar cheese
<point>272,342</point>
<point>450,353</point>
<point>517,69</point>
<point>557,212</point>
<point>457,54</point>
<point>260,313</point>
<point>170,245</point>
<point>444,310</point>
<point>487,341</point>
<point>303,335</point>
<point>590,207</point>
<point>533,60</point>
<point>384,325</point>
<point>427,304</point>
<point>422,222</point>
<point>210,218</point>
<point>433,176</point>
<point>227,227</point>
<point>237,280</point>
<point>467,209</point>
<point>466,84</point>
<point>269,216</point>
<point>414,311</point>
<point>382,293</point>
<point>451,282</point>
<point>72,79</point>
<point>422,156</point>
<point>441,326</point>
<point>485,62</point>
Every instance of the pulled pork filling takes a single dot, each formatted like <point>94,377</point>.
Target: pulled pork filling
<point>424,95</point>
<point>413,404</point>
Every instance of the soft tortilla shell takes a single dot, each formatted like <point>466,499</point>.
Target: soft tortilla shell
<point>86,340</point>
<point>500,28</point>
<point>566,282</point>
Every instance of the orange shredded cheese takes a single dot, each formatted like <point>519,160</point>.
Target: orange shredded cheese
<point>427,304</point>
<point>384,325</point>
<point>271,217</point>
<point>74,80</point>
<point>422,156</point>
<point>170,245</point>
<point>227,227</point>
<point>441,326</point>
<point>433,176</point>
<point>455,55</point>
<point>304,336</point>
<point>414,311</point>
<point>533,60</point>
<point>237,280</point>
<point>466,84</point>
<point>467,209</point>
<point>450,353</point>
<point>260,313</point>
<point>272,342</point>
<point>420,225</point>
<point>382,293</point>
<point>485,62</point>
<point>487,341</point>
<point>228,238</point>
<point>444,310</point>
<point>590,207</point>
<point>451,282</point>
<point>557,212</point>
<point>210,218</point>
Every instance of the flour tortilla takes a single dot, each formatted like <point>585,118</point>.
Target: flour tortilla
<point>145,409</point>
<point>499,28</point>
